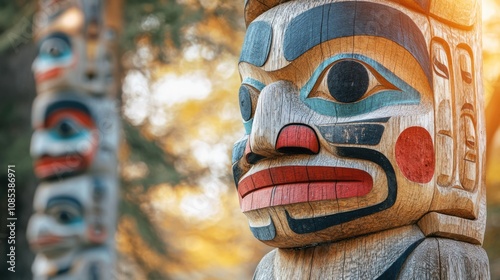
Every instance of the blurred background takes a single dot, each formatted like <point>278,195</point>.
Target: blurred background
<point>180,217</point>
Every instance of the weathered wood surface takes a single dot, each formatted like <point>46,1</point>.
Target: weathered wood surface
<point>364,128</point>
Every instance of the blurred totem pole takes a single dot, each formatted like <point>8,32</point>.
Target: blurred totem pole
<point>365,143</point>
<point>75,143</point>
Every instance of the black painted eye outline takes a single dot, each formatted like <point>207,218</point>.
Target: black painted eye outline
<point>393,92</point>
<point>348,81</point>
<point>67,128</point>
<point>65,213</point>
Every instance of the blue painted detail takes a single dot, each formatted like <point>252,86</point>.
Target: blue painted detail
<point>55,48</point>
<point>248,126</point>
<point>74,131</point>
<point>58,208</point>
<point>359,134</point>
<point>265,233</point>
<point>407,95</point>
<point>257,44</point>
<point>239,149</point>
<point>346,19</point>
<point>254,83</point>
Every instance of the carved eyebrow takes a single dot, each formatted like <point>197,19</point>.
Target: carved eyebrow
<point>346,19</point>
<point>257,44</point>
<point>66,104</point>
<point>64,199</point>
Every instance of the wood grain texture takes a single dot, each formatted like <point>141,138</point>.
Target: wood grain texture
<point>390,91</point>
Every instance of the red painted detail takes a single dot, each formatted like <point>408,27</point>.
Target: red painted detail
<point>46,240</point>
<point>96,236</point>
<point>298,136</point>
<point>415,154</point>
<point>322,191</point>
<point>82,118</point>
<point>48,75</point>
<point>48,166</point>
<point>297,184</point>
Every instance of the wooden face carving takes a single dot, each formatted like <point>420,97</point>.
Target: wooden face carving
<point>70,214</point>
<point>70,138</point>
<point>348,131</point>
<point>72,61</point>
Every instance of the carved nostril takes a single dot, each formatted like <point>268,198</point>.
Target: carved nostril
<point>250,156</point>
<point>297,139</point>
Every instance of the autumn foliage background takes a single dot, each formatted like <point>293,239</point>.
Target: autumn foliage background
<point>180,217</point>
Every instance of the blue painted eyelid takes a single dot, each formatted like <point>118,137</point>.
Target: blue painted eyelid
<point>254,83</point>
<point>406,95</point>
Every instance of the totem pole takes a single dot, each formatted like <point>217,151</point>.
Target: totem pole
<point>74,146</point>
<point>364,149</point>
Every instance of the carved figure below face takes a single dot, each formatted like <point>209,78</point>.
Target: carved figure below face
<point>339,105</point>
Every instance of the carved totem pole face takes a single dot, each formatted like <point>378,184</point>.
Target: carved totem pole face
<point>360,117</point>
<point>74,54</point>
<point>72,135</point>
<point>71,214</point>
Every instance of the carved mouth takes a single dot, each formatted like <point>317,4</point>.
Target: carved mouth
<point>48,166</point>
<point>47,240</point>
<point>296,184</point>
<point>48,75</point>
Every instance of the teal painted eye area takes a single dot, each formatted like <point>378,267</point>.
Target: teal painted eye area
<point>55,47</point>
<point>347,81</point>
<point>66,128</point>
<point>348,85</point>
<point>245,101</point>
<point>65,213</point>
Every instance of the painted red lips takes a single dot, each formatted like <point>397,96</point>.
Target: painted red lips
<point>46,240</point>
<point>295,184</point>
<point>50,166</point>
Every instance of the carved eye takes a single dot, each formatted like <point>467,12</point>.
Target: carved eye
<point>65,213</point>
<point>247,98</point>
<point>348,81</point>
<point>66,128</point>
<point>55,47</point>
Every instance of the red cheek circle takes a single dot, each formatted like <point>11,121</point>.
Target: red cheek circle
<point>415,154</point>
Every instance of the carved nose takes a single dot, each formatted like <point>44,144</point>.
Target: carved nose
<point>297,139</point>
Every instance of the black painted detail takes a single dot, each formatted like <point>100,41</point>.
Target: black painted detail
<point>336,20</point>
<point>347,81</point>
<point>441,69</point>
<point>60,44</point>
<point>245,103</point>
<point>253,158</point>
<point>65,104</point>
<point>308,225</point>
<point>257,44</point>
<point>380,120</point>
<point>265,233</point>
<point>360,134</point>
<point>393,271</point>
<point>237,173</point>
